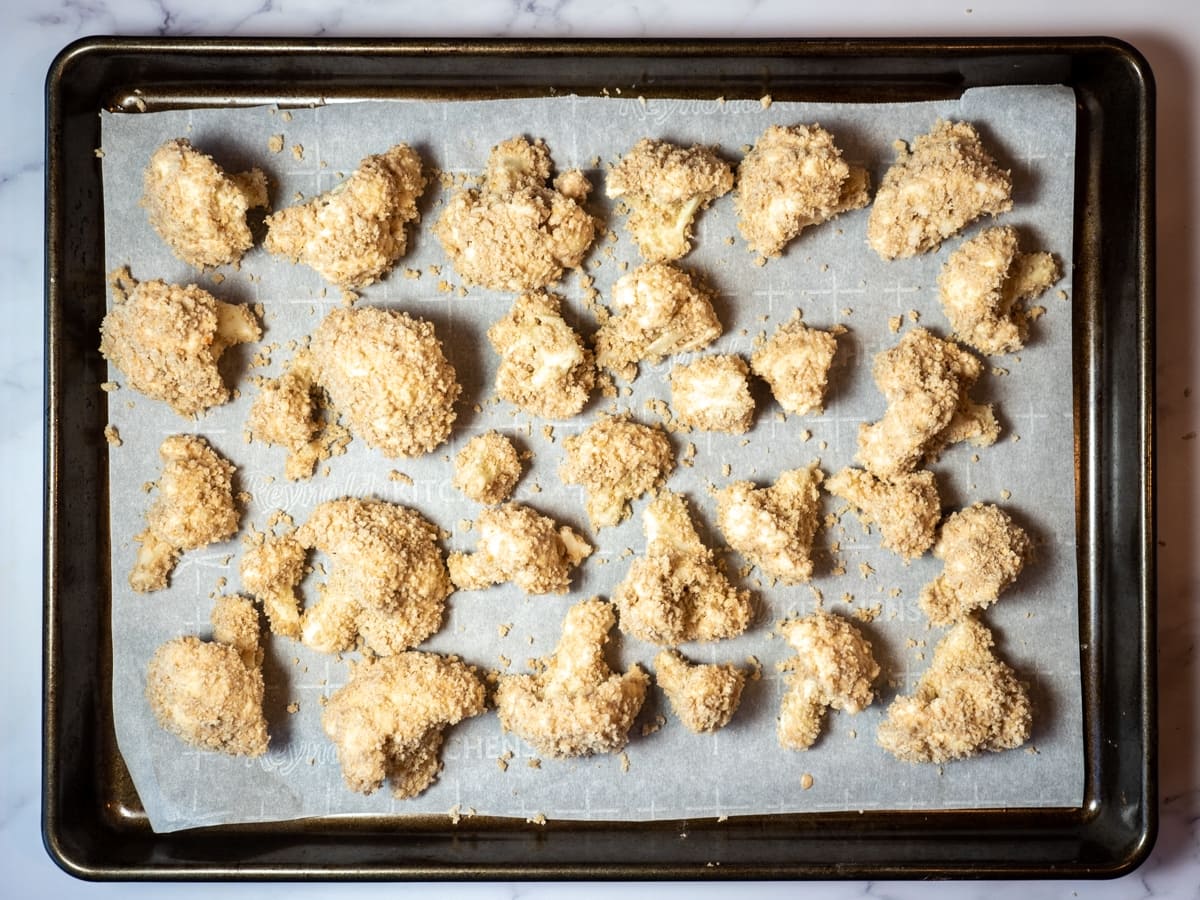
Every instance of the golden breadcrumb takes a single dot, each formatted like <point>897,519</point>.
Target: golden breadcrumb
<point>167,339</point>
<point>774,527</point>
<point>272,567</point>
<point>517,544</point>
<point>906,507</point>
<point>704,697</point>
<point>354,234</point>
<point>387,374</point>
<point>196,208</point>
<point>984,285</point>
<point>676,592</point>
<point>616,460</point>
<point>194,508</point>
<point>833,669</point>
<point>388,721</point>
<point>983,551</point>
<point>487,468</point>
<point>946,181</point>
<point>210,693</point>
<point>795,363</point>
<point>545,368</point>
<point>712,393</point>
<point>967,701</point>
<point>793,178</point>
<point>575,705</point>
<point>666,185</point>
<point>517,234</point>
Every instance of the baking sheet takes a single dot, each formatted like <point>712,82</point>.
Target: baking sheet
<point>829,273</point>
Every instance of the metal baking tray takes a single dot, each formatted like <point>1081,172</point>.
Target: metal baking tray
<point>93,824</point>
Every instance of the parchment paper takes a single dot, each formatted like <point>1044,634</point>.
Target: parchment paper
<point>830,273</point>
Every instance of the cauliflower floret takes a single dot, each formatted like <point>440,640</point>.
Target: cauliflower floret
<point>388,375</point>
<point>667,185</point>
<point>196,208</point>
<point>906,507</point>
<point>545,368</point>
<point>487,468</point>
<point>210,693</point>
<point>983,551</point>
<point>388,721</point>
<point>272,567</point>
<point>194,508</point>
<point>984,286</point>
<point>660,310</point>
<point>575,705</point>
<point>793,178</point>
<point>774,527</point>
<point>712,393</point>
<point>167,339</point>
<point>968,701</point>
<point>353,234</point>
<point>517,544</point>
<point>795,363</point>
<point>676,592</point>
<point>616,460</point>
<point>704,697</point>
<point>517,234</point>
<point>833,668</point>
<point>947,181</point>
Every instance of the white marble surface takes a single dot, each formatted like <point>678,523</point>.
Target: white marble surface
<point>1167,32</point>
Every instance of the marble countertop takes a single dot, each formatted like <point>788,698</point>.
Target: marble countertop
<point>1166,31</point>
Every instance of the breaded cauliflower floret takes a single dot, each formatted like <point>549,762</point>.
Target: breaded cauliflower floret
<point>795,363</point>
<point>210,693</point>
<point>517,234</point>
<point>704,697</point>
<point>517,544</point>
<point>660,310</point>
<point>194,508</point>
<point>945,182</point>
<point>575,705</point>
<point>388,721</point>
<point>833,669</point>
<point>984,286</point>
<point>968,701</point>
<point>167,339</point>
<point>906,507</point>
<point>196,208</point>
<point>487,468</point>
<point>666,185</point>
<point>793,178</point>
<point>983,551</point>
<point>545,368</point>
<point>676,592</point>
<point>712,393</point>
<point>774,527</point>
<point>353,234</point>
<point>616,460</point>
<point>272,567</point>
<point>388,375</point>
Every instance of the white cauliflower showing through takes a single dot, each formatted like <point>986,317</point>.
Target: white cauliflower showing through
<point>487,468</point>
<point>833,669</point>
<point>795,363</point>
<point>704,697</point>
<point>906,507</point>
<point>272,567</point>
<point>666,185</point>
<point>774,527</point>
<point>712,393</point>
<point>574,705</point>
<point>519,545</point>
<point>517,234</point>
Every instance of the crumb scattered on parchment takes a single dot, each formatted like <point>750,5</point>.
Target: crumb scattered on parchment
<point>806,781</point>
<point>112,435</point>
<point>275,143</point>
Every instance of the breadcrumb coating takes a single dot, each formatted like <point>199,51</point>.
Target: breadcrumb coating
<point>968,701</point>
<point>833,669</point>
<point>774,527</point>
<point>196,208</point>
<point>517,234</point>
<point>388,721</point>
<point>616,460</point>
<point>943,183</point>
<point>517,544</point>
<point>984,286</point>
<point>545,368</point>
<point>704,697</point>
<point>167,340</point>
<point>795,363</point>
<point>272,567</point>
<point>906,507</point>
<point>354,234</point>
<point>575,705</point>
<point>793,178</point>
<point>677,592</point>
<point>194,508</point>
<point>487,468</point>
<point>983,551</point>
<point>387,374</point>
<point>667,185</point>
<point>712,393</point>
